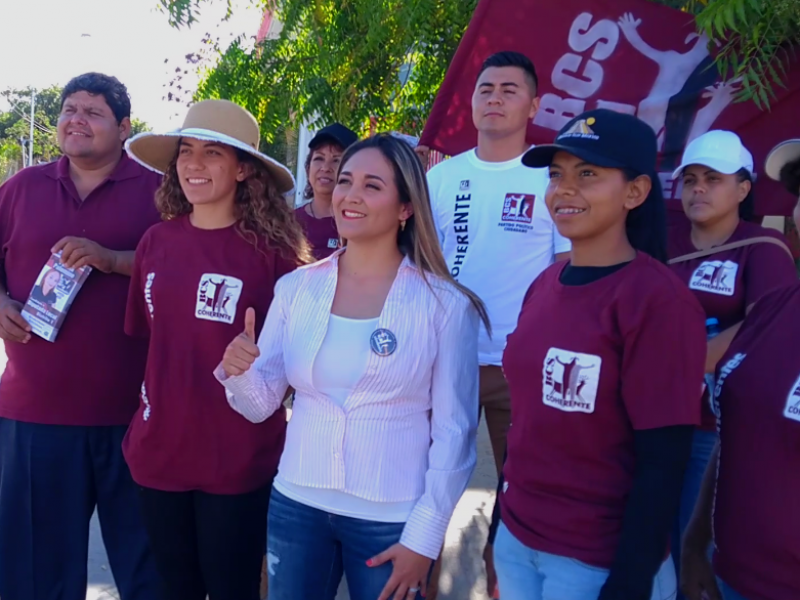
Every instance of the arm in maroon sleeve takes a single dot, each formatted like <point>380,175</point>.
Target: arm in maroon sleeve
<point>136,313</point>
<point>662,370</point>
<point>768,268</point>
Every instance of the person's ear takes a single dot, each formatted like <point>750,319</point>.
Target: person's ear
<point>638,190</point>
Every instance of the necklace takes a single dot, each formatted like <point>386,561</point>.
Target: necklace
<point>311,209</point>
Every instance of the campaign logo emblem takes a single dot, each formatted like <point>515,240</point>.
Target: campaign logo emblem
<point>518,208</point>
<point>581,129</point>
<point>333,242</point>
<point>217,297</point>
<point>792,410</point>
<point>464,185</point>
<point>715,277</point>
<point>570,380</point>
<point>383,342</point>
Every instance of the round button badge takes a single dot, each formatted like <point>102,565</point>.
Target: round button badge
<point>383,342</point>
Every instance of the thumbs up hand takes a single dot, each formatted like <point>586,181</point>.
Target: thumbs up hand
<point>243,351</point>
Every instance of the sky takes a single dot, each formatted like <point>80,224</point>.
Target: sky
<point>47,42</point>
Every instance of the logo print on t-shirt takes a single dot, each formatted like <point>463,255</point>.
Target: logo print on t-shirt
<point>715,277</point>
<point>464,185</point>
<point>792,410</point>
<point>570,380</point>
<point>518,208</point>
<point>217,296</point>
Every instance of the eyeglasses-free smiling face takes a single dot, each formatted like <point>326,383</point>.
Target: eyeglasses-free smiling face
<point>87,127</point>
<point>322,169</point>
<point>208,172</point>
<point>586,201</point>
<point>366,202</point>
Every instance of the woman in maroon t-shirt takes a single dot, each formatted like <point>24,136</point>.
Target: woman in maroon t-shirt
<point>717,175</point>
<point>605,370</point>
<point>749,498</point>
<point>322,164</point>
<point>204,274</point>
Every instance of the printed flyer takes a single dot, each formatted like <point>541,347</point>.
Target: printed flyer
<point>51,297</point>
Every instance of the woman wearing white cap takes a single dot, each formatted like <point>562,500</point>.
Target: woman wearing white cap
<point>748,502</point>
<point>727,261</point>
<point>200,277</point>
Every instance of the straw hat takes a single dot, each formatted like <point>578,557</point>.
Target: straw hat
<point>210,121</point>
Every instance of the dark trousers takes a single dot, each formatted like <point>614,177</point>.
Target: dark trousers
<point>207,544</point>
<point>51,479</point>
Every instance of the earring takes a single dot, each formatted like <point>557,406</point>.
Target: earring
<point>402,225</point>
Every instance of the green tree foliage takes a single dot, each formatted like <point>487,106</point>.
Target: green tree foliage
<point>350,60</point>
<point>343,60</point>
<point>15,123</point>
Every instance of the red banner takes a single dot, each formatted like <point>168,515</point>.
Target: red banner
<point>628,55</point>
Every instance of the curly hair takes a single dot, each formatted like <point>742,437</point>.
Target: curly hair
<point>264,217</point>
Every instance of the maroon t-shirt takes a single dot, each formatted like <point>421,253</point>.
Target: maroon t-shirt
<point>321,233</point>
<point>586,367</point>
<point>91,374</point>
<point>189,292</point>
<point>728,282</point>
<point>757,504</point>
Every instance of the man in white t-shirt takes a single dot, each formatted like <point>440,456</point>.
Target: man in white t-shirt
<point>495,229</point>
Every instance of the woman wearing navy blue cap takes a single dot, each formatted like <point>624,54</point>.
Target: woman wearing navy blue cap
<point>322,163</point>
<point>605,371</point>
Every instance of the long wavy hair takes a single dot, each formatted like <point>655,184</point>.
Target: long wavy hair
<point>418,240</point>
<point>264,217</point>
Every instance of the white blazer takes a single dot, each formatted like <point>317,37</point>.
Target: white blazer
<point>407,431</point>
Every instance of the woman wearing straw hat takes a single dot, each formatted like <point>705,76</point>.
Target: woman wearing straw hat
<point>204,274</point>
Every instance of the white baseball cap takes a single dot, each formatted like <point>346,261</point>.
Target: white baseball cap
<point>720,150</point>
<point>780,156</point>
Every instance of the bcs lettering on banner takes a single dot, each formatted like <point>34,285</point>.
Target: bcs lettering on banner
<point>579,73</point>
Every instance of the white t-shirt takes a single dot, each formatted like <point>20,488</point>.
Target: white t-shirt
<point>496,234</point>
<point>338,366</point>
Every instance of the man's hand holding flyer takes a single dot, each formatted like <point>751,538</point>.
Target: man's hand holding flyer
<point>52,295</point>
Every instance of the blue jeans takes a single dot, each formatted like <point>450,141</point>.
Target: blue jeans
<point>527,574</point>
<point>52,477</point>
<point>728,593</point>
<point>308,551</point>
<point>703,444</point>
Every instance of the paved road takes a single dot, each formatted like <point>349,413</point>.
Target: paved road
<point>462,570</point>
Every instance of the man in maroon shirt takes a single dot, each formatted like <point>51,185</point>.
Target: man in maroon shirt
<point>65,406</point>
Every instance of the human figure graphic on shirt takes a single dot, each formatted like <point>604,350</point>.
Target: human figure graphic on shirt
<point>572,370</point>
<point>205,487</point>
<point>49,488</point>
<point>717,173</point>
<point>746,481</point>
<point>552,541</point>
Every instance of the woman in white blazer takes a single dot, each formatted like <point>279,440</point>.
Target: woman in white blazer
<point>380,343</point>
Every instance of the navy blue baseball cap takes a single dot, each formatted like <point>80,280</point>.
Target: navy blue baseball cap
<point>337,133</point>
<point>604,138</point>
